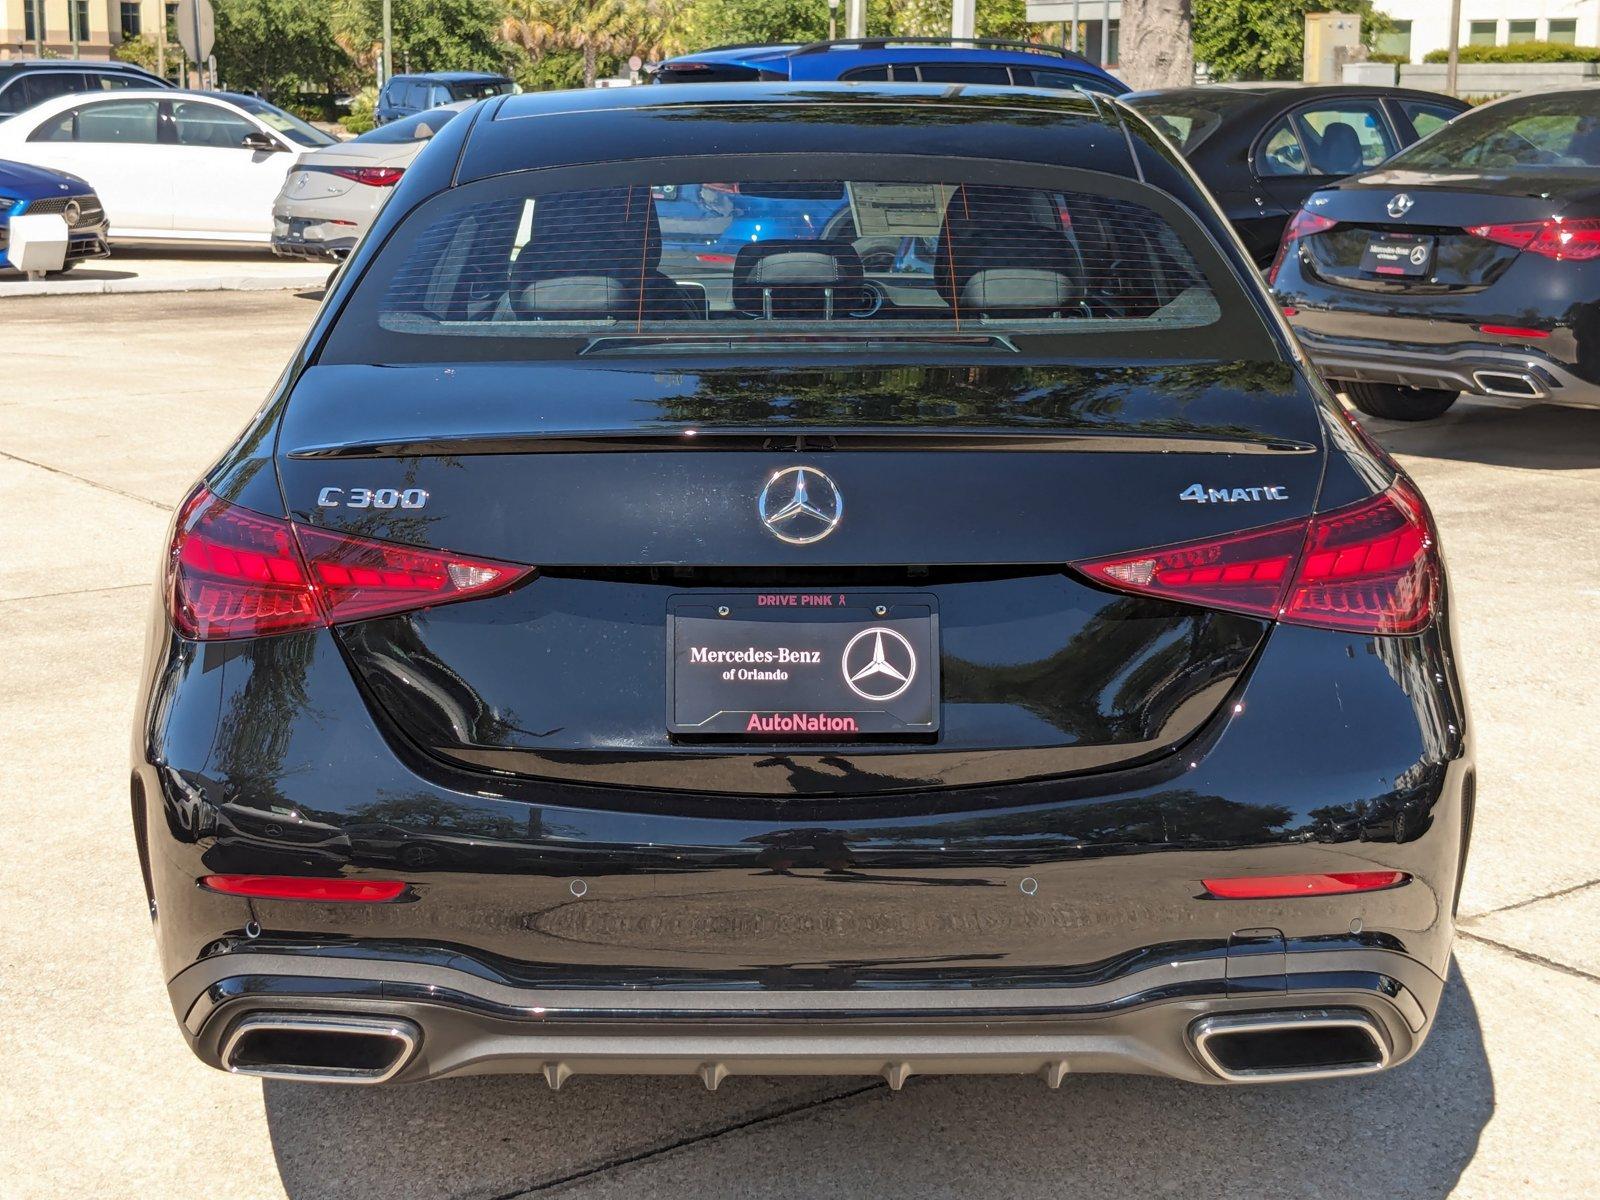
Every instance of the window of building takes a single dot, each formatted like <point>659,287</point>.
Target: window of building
<point>79,14</point>
<point>1396,41</point>
<point>132,26</point>
<point>33,23</point>
<point>1565,32</point>
<point>1482,33</point>
<point>1522,31</point>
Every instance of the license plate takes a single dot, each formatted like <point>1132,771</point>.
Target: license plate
<point>1407,254</point>
<point>781,666</point>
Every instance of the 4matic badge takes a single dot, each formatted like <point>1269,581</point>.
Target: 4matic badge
<point>1201,494</point>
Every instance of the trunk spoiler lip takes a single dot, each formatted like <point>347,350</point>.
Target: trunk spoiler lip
<point>804,441</point>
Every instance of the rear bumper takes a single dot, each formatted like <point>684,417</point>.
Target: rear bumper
<point>465,1018</point>
<point>333,250</point>
<point>1476,368</point>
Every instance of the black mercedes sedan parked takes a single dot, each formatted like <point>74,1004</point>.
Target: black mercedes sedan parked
<point>1468,263</point>
<point>1009,660</point>
<point>1262,150</point>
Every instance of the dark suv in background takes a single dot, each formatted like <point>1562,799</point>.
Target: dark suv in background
<point>27,82</point>
<point>407,95</point>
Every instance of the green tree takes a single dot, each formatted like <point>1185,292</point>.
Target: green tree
<point>706,23</point>
<point>273,46</point>
<point>1265,39</point>
<point>429,35</point>
<point>554,33</point>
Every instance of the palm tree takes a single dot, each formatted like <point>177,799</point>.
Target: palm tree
<point>594,27</point>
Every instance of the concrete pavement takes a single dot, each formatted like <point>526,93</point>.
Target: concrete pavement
<point>118,402</point>
<point>174,269</point>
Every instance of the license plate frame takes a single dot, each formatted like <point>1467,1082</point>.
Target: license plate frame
<point>1399,255</point>
<point>730,692</point>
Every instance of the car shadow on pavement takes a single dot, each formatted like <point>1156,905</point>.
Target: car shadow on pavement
<point>1538,437</point>
<point>1408,1133</point>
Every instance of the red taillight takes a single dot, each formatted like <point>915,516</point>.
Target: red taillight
<point>297,887</point>
<point>717,259</point>
<point>1564,241</point>
<point>1521,331</point>
<point>1271,887</point>
<point>1302,224</point>
<point>371,176</point>
<point>234,573</point>
<point>1370,567</point>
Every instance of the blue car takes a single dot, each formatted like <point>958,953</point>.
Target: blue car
<point>703,225</point>
<point>30,190</point>
<point>895,60</point>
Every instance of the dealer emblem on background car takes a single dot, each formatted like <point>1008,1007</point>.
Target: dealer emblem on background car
<point>1400,205</point>
<point>800,505</point>
<point>879,664</point>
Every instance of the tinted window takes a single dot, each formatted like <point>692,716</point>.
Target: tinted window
<point>954,72</point>
<point>1185,120</point>
<point>47,85</point>
<point>111,83</point>
<point>418,128</point>
<point>1280,152</point>
<point>416,95</point>
<point>510,267</point>
<point>1426,117</point>
<point>1060,80</point>
<point>478,89</point>
<point>879,74</point>
<point>130,122</point>
<point>1344,138</point>
<point>199,124</point>
<point>1533,132</point>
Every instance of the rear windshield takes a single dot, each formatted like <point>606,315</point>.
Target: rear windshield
<point>1186,121</point>
<point>547,264</point>
<point>481,89</point>
<point>1526,133</point>
<point>411,129</point>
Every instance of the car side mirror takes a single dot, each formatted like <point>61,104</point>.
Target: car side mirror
<point>260,140</point>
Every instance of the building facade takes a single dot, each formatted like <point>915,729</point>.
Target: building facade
<point>1424,25</point>
<point>76,28</point>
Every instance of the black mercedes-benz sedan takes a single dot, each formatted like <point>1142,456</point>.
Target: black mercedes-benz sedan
<point>1468,263</point>
<point>1261,151</point>
<point>1009,659</point>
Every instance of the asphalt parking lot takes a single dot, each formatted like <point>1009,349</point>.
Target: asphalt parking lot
<point>110,406</point>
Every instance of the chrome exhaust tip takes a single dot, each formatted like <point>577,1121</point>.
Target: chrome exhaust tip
<point>1509,384</point>
<point>1290,1044</point>
<point>320,1047</point>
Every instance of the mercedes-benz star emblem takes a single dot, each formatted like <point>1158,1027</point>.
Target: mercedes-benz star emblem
<point>800,505</point>
<point>879,664</point>
<point>70,212</point>
<point>1400,204</point>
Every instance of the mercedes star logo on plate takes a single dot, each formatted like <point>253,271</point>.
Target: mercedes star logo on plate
<point>800,505</point>
<point>1400,205</point>
<point>879,664</point>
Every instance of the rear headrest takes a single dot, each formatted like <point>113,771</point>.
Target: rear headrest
<point>1018,292</point>
<point>593,232</point>
<point>1339,152</point>
<point>577,298</point>
<point>999,229</point>
<point>792,277</point>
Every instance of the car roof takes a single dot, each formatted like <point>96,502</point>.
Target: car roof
<point>1265,94</point>
<point>890,50</point>
<point>56,104</point>
<point>452,76</point>
<point>75,64</point>
<point>613,124</point>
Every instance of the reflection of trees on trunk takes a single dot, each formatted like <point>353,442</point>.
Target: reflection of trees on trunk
<point>1120,676</point>
<point>1126,399</point>
<point>837,107</point>
<point>259,717</point>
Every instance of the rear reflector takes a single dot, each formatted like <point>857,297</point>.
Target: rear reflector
<point>1564,241</point>
<point>1370,567</point>
<point>297,887</point>
<point>233,573</point>
<point>1521,331</point>
<point>1270,887</point>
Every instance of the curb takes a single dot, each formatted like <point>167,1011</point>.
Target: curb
<point>197,283</point>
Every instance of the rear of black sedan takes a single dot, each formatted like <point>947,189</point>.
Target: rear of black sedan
<point>1469,263</point>
<point>1004,659</point>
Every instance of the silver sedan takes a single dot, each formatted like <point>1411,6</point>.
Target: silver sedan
<point>330,196</point>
